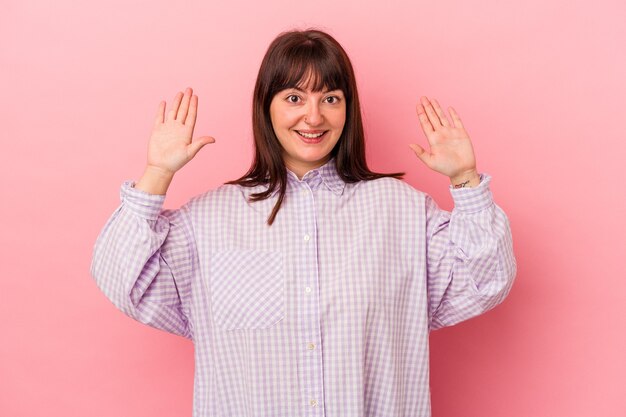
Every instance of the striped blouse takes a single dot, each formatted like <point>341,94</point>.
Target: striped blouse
<point>325,313</point>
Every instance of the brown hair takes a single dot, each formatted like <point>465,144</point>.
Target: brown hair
<point>293,58</point>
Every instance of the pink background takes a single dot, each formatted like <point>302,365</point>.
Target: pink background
<point>539,85</point>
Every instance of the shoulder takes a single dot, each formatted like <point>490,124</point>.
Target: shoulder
<point>221,194</point>
<point>392,187</point>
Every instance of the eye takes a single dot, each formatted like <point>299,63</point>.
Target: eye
<point>334,99</point>
<point>291,97</point>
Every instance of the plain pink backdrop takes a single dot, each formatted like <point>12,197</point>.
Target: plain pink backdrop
<point>538,84</point>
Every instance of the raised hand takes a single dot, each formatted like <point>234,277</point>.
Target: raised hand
<point>451,152</point>
<point>170,146</point>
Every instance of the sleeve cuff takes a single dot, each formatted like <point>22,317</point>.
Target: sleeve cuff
<point>473,199</point>
<point>141,203</point>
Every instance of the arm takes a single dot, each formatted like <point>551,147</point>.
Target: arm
<point>145,259</point>
<point>470,261</point>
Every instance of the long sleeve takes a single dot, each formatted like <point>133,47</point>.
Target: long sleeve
<point>144,261</point>
<point>471,265</point>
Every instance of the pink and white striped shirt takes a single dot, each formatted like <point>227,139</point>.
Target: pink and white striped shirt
<point>325,313</point>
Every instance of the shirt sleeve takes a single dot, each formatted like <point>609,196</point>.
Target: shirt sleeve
<point>145,259</point>
<point>470,261</point>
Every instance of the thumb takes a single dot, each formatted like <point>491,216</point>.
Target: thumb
<point>421,153</point>
<point>197,144</point>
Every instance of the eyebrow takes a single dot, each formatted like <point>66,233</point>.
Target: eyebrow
<point>324,92</point>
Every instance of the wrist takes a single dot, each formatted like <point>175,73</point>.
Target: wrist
<point>155,180</point>
<point>158,172</point>
<point>465,179</point>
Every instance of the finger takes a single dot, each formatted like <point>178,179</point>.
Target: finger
<point>455,118</point>
<point>440,113</point>
<point>193,110</point>
<point>160,113</point>
<point>184,106</point>
<point>197,144</point>
<point>421,153</point>
<point>432,115</point>
<point>424,122</point>
<point>171,115</point>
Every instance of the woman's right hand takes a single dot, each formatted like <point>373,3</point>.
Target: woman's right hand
<point>170,146</point>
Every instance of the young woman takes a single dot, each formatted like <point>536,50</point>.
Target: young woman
<point>310,284</point>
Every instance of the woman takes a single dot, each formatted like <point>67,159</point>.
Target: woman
<point>310,284</point>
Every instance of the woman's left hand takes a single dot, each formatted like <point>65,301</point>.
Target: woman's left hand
<point>451,151</point>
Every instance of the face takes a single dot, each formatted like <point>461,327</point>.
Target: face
<point>299,117</point>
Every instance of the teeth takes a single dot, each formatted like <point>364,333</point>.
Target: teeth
<point>311,135</point>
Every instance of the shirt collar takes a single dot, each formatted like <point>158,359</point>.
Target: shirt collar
<point>326,174</point>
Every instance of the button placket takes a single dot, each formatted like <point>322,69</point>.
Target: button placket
<point>310,354</point>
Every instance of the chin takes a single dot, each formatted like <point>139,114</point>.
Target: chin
<point>315,158</point>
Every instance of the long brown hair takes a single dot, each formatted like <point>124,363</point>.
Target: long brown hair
<point>294,58</point>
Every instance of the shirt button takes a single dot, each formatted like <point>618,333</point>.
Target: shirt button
<point>310,346</point>
<point>307,237</point>
<point>313,402</point>
<point>307,289</point>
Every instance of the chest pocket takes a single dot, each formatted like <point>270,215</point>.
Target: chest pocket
<point>247,289</point>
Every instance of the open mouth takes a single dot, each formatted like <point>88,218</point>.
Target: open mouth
<point>312,137</point>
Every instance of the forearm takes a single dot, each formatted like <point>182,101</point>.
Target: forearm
<point>466,179</point>
<point>471,265</point>
<point>154,181</point>
<point>143,260</point>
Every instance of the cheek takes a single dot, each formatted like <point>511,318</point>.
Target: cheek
<point>291,118</point>
<point>339,120</point>
<point>285,119</point>
<point>277,116</point>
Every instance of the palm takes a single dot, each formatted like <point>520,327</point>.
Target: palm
<point>451,152</point>
<point>170,145</point>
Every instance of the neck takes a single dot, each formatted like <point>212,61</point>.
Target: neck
<point>300,169</point>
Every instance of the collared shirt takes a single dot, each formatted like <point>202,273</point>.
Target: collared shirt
<point>325,313</point>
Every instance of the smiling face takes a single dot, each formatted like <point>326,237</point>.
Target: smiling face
<point>308,125</point>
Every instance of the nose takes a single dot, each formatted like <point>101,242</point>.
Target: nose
<point>313,116</point>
